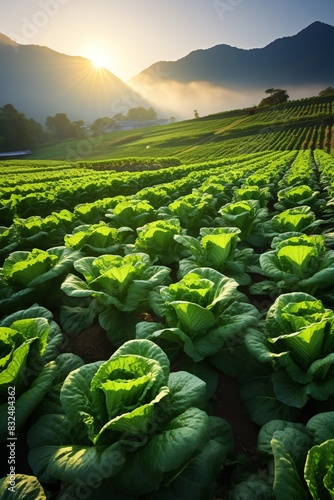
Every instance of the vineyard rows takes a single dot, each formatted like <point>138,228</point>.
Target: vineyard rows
<point>191,272</point>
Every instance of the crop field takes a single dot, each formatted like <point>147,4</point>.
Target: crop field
<point>167,321</point>
<point>303,124</point>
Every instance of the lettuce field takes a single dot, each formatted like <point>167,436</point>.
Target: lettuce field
<point>167,332</point>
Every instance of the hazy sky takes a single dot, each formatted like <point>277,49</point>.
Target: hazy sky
<point>130,35</point>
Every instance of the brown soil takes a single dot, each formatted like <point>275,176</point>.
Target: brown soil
<point>91,344</point>
<point>227,405</point>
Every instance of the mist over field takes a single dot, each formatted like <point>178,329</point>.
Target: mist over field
<point>181,99</point>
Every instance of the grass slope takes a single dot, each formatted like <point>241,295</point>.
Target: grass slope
<point>307,123</point>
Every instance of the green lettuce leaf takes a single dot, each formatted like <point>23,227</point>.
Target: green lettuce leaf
<point>300,219</point>
<point>186,391</point>
<point>197,479</point>
<point>184,436</point>
<point>262,404</point>
<point>98,239</point>
<point>28,400</point>
<point>288,483</point>
<point>157,240</point>
<point>56,454</point>
<point>321,427</point>
<point>319,470</point>
<point>132,213</point>
<point>27,487</point>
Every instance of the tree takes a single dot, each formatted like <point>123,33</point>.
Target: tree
<point>78,128</point>
<point>119,117</point>
<point>60,126</point>
<point>36,131</point>
<point>151,114</point>
<point>9,111</point>
<point>329,91</point>
<point>18,132</point>
<point>102,125</point>
<point>141,114</point>
<point>276,96</point>
<point>196,113</point>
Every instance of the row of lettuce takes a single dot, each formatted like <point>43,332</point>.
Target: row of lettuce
<point>29,193</point>
<point>156,188</point>
<point>278,138</point>
<point>228,270</point>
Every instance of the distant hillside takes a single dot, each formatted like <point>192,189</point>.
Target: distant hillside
<point>301,124</point>
<point>298,63</point>
<point>39,82</point>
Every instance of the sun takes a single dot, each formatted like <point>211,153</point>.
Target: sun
<point>98,61</point>
<point>98,56</point>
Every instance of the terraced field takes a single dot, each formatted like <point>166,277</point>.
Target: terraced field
<point>303,124</point>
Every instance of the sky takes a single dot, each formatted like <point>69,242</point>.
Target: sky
<point>127,36</point>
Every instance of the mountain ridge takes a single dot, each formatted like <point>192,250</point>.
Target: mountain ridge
<point>222,77</point>
<point>238,61</point>
<point>40,81</point>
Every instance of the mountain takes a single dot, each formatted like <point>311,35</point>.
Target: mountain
<point>299,61</point>
<point>40,82</point>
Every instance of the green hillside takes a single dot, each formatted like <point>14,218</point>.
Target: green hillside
<point>302,124</point>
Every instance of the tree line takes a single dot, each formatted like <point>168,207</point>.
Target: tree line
<point>18,132</point>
